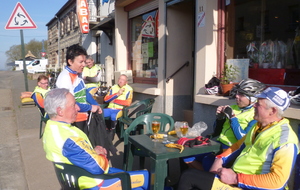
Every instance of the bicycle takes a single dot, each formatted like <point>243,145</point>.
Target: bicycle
<point>52,79</point>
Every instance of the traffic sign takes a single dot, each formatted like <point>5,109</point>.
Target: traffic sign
<point>148,28</point>
<point>20,19</point>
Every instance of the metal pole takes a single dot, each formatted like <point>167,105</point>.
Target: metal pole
<point>24,63</point>
<point>58,42</point>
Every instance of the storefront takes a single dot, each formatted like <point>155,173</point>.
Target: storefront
<point>158,37</point>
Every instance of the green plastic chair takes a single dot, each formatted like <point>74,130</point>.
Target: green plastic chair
<point>133,111</point>
<point>68,176</point>
<point>166,125</point>
<point>38,99</point>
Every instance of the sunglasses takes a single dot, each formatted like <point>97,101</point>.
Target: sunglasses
<point>44,83</point>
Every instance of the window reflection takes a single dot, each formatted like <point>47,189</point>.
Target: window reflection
<point>144,45</point>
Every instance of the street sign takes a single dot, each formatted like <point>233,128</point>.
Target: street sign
<point>20,19</point>
<point>148,28</point>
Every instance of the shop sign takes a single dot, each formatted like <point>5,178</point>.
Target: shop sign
<point>83,16</point>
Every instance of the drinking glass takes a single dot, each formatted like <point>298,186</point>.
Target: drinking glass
<point>155,129</point>
<point>184,128</point>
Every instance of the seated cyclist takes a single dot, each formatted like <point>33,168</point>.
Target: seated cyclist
<point>232,121</point>
<point>64,143</point>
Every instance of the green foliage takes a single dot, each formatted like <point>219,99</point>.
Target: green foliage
<point>260,56</point>
<point>229,74</point>
<point>266,57</point>
<point>15,51</point>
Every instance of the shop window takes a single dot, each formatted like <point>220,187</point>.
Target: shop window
<point>76,21</point>
<point>294,17</point>
<point>68,24</point>
<point>62,29</point>
<point>268,33</point>
<point>144,47</point>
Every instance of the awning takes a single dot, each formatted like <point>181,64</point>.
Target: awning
<point>107,25</point>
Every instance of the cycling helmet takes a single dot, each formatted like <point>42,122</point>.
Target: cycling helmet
<point>233,91</point>
<point>295,99</point>
<point>250,87</point>
<point>295,96</point>
<point>212,90</point>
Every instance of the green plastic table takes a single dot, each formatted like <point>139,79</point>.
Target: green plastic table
<point>159,155</point>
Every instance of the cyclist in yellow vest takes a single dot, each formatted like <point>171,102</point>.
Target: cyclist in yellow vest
<point>118,96</point>
<point>91,73</point>
<point>263,158</point>
<point>64,143</point>
<point>236,119</point>
<point>42,88</point>
<point>232,121</point>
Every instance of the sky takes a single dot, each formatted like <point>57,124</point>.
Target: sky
<point>40,11</point>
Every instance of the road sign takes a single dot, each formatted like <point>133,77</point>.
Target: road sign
<point>20,19</point>
<point>148,28</point>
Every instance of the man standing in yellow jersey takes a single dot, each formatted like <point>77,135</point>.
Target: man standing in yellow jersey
<point>91,73</point>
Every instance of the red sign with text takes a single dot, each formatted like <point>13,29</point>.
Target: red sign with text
<point>83,16</point>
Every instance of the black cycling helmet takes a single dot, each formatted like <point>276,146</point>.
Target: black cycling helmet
<point>250,87</point>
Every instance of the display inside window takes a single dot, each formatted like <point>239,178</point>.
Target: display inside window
<point>268,33</point>
<point>144,45</point>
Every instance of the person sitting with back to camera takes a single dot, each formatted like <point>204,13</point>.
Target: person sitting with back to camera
<point>263,158</point>
<point>64,143</point>
<point>232,121</point>
<point>118,96</point>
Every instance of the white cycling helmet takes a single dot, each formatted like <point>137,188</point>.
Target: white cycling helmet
<point>295,99</point>
<point>250,87</point>
<point>295,96</point>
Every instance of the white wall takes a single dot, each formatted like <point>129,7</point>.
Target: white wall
<point>121,39</point>
<point>206,43</point>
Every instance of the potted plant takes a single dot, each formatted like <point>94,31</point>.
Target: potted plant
<point>254,54</point>
<point>266,58</point>
<point>262,55</point>
<point>228,75</point>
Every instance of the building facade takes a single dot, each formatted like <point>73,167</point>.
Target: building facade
<point>64,31</point>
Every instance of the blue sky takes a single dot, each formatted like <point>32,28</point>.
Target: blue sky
<point>40,11</point>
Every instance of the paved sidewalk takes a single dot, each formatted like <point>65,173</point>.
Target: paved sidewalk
<point>23,162</point>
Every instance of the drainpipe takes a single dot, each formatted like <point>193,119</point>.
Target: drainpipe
<point>221,37</point>
<point>165,60</point>
<point>58,45</point>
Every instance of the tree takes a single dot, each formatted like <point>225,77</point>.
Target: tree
<point>15,51</point>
